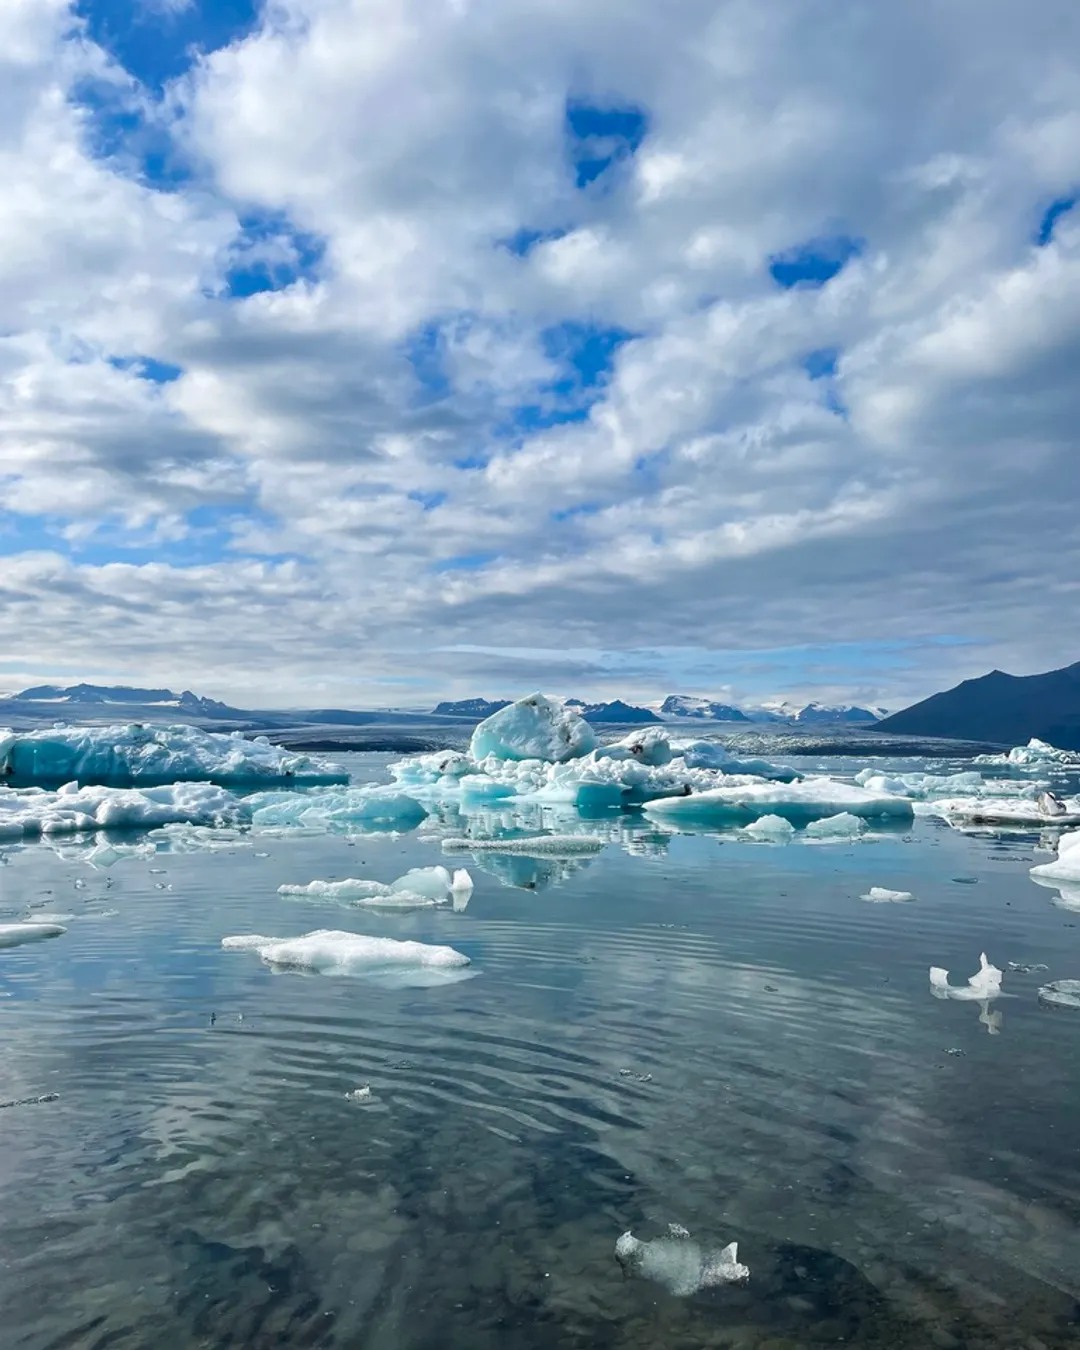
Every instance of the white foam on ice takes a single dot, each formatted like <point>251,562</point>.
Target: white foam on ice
<point>16,934</point>
<point>834,829</point>
<point>985,984</point>
<point>534,846</point>
<point>137,755</point>
<point>679,1263</point>
<point>881,895</point>
<point>535,727</point>
<point>27,812</point>
<point>332,952</point>
<point>800,803</point>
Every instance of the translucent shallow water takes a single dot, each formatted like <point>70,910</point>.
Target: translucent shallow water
<point>700,1029</point>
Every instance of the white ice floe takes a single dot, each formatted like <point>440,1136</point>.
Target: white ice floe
<point>679,1263</point>
<point>1061,994</point>
<point>772,829</point>
<point>371,807</point>
<point>926,786</point>
<point>534,846</point>
<point>16,934</point>
<point>332,952</point>
<point>34,811</point>
<point>835,829</point>
<point>800,803</point>
<point>983,985</point>
<point>434,882</point>
<point>1005,812</point>
<point>533,728</point>
<point>881,895</point>
<point>1035,755</point>
<point>420,888</point>
<point>136,755</point>
<point>650,746</point>
<point>1066,866</point>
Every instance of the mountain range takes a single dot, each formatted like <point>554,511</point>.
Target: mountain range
<point>1008,709</point>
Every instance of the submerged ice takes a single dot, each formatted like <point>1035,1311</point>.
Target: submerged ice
<point>679,1263</point>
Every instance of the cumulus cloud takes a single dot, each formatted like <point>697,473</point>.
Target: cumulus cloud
<point>383,327</point>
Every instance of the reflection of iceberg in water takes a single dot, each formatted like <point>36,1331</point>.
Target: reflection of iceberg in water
<point>530,874</point>
<point>678,1262</point>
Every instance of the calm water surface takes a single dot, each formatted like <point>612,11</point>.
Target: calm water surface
<point>686,1029</point>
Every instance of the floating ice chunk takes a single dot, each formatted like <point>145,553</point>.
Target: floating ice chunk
<point>713,755</point>
<point>323,808</point>
<point>360,1094</point>
<point>1036,754</point>
<point>354,891</point>
<point>774,829</point>
<point>461,890</point>
<point>985,984</point>
<point>533,728</point>
<point>881,895</point>
<point>1066,866</point>
<point>1018,812</point>
<point>842,826</point>
<point>1061,994</point>
<point>534,846</point>
<point>443,766</point>
<point>678,1262</point>
<point>71,809</point>
<point>16,934</point>
<point>433,882</point>
<point>462,881</point>
<point>812,799</point>
<point>120,756</point>
<point>332,952</point>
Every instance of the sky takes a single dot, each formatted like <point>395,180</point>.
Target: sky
<point>374,351</point>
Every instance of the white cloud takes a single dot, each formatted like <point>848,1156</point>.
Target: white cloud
<point>361,421</point>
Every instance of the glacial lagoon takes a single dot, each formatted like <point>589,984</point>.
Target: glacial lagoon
<point>696,1025</point>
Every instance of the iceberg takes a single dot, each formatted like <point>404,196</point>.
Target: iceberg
<point>773,829</point>
<point>329,951</point>
<point>881,895</point>
<point>713,755</point>
<point>1066,866</point>
<point>16,934</point>
<point>1017,812</point>
<point>650,747</point>
<point>835,828</point>
<point>812,799</point>
<point>370,807</point>
<point>533,846</point>
<point>985,984</point>
<point>420,888</point>
<point>433,882</point>
<point>679,1263</point>
<point>1035,755</point>
<point>27,812</point>
<point>145,756</point>
<point>533,728</point>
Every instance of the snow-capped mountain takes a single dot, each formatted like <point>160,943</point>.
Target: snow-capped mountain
<point>701,709</point>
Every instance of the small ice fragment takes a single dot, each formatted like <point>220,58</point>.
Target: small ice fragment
<point>954,1051</point>
<point>16,934</point>
<point>360,1094</point>
<point>332,952</point>
<point>638,1078</point>
<point>985,984</point>
<point>880,895</point>
<point>80,885</point>
<point>434,882</point>
<point>1020,968</point>
<point>462,880</point>
<point>773,828</point>
<point>535,846</point>
<point>1061,994</point>
<point>157,871</point>
<point>262,855</point>
<point>678,1262</point>
<point>31,1101</point>
<point>841,826</point>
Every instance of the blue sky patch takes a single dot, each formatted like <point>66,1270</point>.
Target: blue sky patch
<point>587,349</point>
<point>599,137</point>
<point>425,351</point>
<point>120,127</point>
<point>1050,218</point>
<point>464,562</point>
<point>523,241</point>
<point>147,368</point>
<point>813,263</point>
<point>575,512</point>
<point>271,254</point>
<point>428,500</point>
<point>158,42</point>
<point>821,364</point>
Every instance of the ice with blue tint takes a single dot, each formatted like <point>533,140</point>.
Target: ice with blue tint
<point>1036,754</point>
<point>28,812</point>
<point>843,826</point>
<point>328,951</point>
<point>1066,866</point>
<point>367,806</point>
<point>137,755</point>
<point>536,727</point>
<point>1004,812</point>
<point>800,803</point>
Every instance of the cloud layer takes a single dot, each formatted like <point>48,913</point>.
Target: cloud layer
<point>376,349</point>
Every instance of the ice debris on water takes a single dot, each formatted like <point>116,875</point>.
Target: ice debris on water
<point>332,952</point>
<point>535,727</point>
<point>1002,812</point>
<point>16,934</point>
<point>772,829</point>
<point>1061,994</point>
<point>881,895</point>
<point>835,828</point>
<point>1036,754</point>
<point>28,812</point>
<point>1021,968</point>
<point>1066,866</point>
<point>138,755</point>
<point>678,1262</point>
<point>800,803</point>
<point>985,984</point>
<point>533,846</point>
<point>419,888</point>
<point>360,1094</point>
<point>31,1101</point>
